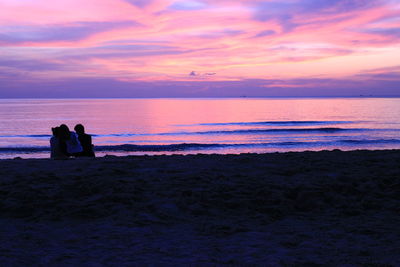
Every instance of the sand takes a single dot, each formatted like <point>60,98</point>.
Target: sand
<point>327,208</point>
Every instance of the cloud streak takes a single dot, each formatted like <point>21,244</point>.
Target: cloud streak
<point>50,33</point>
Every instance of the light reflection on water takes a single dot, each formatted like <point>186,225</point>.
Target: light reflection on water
<point>206,121</point>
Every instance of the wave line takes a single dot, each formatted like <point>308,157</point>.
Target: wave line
<point>200,146</point>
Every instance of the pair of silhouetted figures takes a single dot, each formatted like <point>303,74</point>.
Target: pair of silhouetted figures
<point>65,143</point>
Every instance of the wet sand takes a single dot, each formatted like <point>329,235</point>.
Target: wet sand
<point>325,208</point>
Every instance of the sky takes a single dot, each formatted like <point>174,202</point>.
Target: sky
<point>199,48</point>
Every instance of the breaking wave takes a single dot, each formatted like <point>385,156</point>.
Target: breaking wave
<point>200,146</point>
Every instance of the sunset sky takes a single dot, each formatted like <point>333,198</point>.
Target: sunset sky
<point>199,48</point>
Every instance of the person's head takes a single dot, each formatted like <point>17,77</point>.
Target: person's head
<point>79,129</point>
<point>64,127</point>
<point>54,131</point>
<point>64,131</point>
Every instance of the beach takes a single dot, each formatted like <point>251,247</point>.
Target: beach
<point>326,208</point>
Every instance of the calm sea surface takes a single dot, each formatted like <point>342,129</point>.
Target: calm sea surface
<point>184,126</point>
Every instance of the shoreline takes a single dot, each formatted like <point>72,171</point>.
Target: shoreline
<point>115,154</point>
<point>292,208</point>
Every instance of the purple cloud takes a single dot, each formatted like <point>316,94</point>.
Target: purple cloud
<point>284,11</point>
<point>74,32</point>
<point>375,85</point>
<point>139,3</point>
<point>124,51</point>
<point>265,33</point>
<point>336,6</point>
<point>188,5</point>
<point>389,73</point>
<point>31,65</point>
<point>222,33</point>
<point>388,32</point>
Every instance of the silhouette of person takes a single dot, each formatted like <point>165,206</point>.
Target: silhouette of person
<point>85,140</point>
<point>58,148</point>
<point>71,140</point>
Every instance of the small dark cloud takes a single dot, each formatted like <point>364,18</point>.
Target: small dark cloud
<point>194,73</point>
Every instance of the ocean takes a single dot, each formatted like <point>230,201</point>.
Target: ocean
<point>208,125</point>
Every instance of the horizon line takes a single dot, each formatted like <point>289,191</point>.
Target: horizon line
<point>208,97</point>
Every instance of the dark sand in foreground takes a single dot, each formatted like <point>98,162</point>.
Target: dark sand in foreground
<point>284,209</point>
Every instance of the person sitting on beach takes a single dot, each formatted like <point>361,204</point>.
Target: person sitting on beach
<point>71,141</point>
<point>85,140</point>
<point>58,149</point>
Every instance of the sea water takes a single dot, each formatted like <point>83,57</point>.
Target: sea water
<point>189,126</point>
